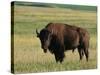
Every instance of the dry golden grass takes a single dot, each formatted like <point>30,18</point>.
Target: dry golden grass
<point>28,54</point>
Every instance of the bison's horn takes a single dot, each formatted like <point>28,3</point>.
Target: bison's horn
<point>37,32</point>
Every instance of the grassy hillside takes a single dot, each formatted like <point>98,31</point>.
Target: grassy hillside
<point>28,55</point>
<point>53,5</point>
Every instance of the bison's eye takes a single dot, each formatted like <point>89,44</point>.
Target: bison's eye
<point>43,41</point>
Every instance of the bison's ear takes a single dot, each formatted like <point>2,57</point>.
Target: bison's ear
<point>37,33</point>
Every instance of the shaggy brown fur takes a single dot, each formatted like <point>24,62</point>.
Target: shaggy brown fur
<point>59,37</point>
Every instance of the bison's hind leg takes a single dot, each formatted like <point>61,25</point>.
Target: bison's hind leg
<point>81,53</point>
<point>86,53</point>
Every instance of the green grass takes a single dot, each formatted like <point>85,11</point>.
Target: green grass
<point>54,5</point>
<point>28,55</point>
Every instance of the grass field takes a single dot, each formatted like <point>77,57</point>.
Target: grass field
<point>28,55</point>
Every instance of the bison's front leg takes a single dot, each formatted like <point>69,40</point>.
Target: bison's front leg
<point>62,57</point>
<point>59,56</point>
<point>56,57</point>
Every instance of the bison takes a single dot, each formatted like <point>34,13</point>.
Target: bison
<point>59,37</point>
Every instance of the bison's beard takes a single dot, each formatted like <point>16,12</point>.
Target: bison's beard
<point>45,47</point>
<point>45,50</point>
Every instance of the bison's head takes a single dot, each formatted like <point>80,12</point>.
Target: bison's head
<point>45,38</point>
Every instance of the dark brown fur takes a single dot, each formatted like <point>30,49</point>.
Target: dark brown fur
<point>66,37</point>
